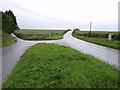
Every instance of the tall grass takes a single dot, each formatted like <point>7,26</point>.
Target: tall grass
<point>56,66</point>
<point>7,39</point>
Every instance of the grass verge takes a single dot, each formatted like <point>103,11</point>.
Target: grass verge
<point>57,66</point>
<point>6,39</point>
<point>100,41</point>
<point>27,34</point>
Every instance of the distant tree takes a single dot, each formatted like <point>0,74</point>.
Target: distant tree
<point>76,29</point>
<point>9,23</point>
<point>0,20</point>
<point>67,30</point>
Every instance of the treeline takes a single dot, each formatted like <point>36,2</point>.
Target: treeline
<point>9,23</point>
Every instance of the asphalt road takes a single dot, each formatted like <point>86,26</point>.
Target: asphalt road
<point>11,54</point>
<point>103,53</point>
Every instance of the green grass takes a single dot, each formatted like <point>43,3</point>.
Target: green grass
<point>27,34</point>
<point>57,66</point>
<point>6,40</point>
<point>101,41</point>
<point>100,32</point>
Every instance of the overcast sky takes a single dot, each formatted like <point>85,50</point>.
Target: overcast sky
<point>64,13</point>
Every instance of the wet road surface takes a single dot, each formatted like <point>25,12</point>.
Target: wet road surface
<point>103,53</point>
<point>11,54</point>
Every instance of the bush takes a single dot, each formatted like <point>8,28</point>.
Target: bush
<point>116,36</point>
<point>66,31</point>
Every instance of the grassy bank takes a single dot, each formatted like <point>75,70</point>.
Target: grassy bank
<point>6,39</point>
<point>100,38</point>
<point>56,66</point>
<point>40,34</point>
<point>0,38</point>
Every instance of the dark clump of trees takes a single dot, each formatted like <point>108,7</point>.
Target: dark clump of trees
<point>77,29</point>
<point>66,30</point>
<point>9,23</point>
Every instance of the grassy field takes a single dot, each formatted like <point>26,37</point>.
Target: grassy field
<point>99,32</point>
<point>6,40</point>
<point>57,66</point>
<point>27,34</point>
<point>99,37</point>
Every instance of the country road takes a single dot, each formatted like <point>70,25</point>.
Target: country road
<point>103,53</point>
<point>11,54</point>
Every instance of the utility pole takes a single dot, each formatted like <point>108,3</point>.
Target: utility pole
<point>73,28</point>
<point>90,27</point>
